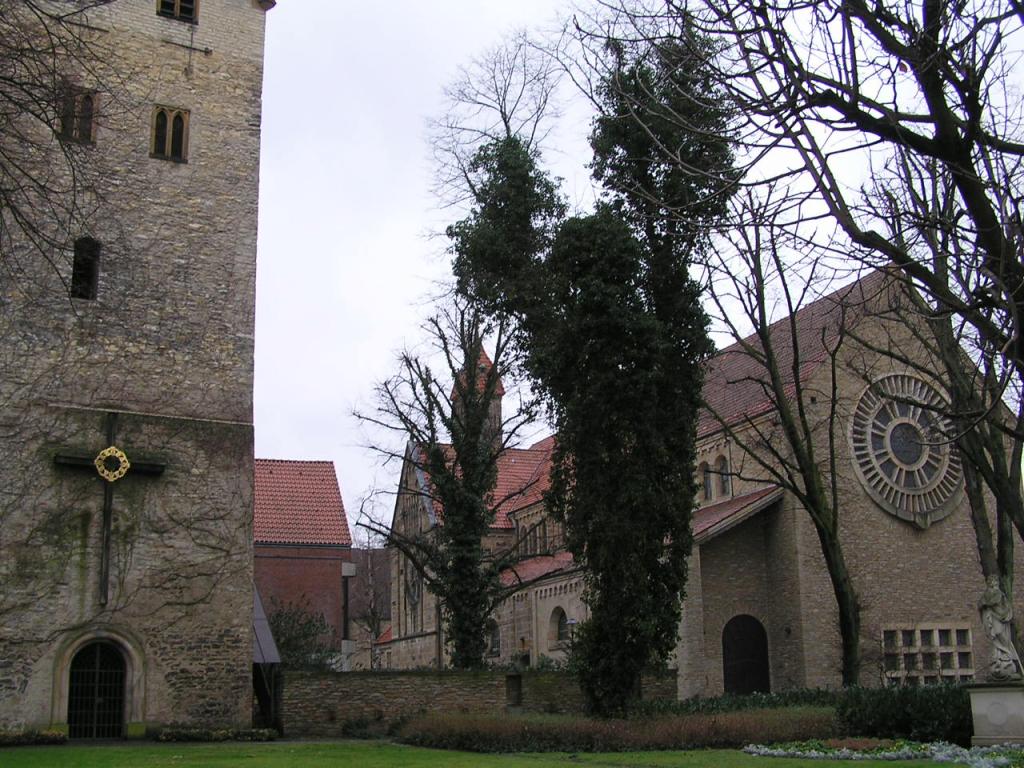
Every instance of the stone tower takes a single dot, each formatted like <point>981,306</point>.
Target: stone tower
<point>126,343</point>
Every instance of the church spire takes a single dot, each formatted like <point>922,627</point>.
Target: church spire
<point>484,366</point>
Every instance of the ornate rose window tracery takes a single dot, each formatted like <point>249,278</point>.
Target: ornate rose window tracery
<point>901,450</point>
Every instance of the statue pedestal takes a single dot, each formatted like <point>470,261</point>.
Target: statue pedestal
<point>998,713</point>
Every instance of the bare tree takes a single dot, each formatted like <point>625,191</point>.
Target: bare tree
<point>831,96</point>
<point>58,81</point>
<point>982,400</point>
<point>509,90</point>
<point>795,446</point>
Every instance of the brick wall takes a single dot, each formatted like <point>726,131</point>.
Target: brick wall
<point>300,574</point>
<point>320,703</point>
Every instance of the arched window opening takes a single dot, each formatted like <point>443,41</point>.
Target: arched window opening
<point>745,656</point>
<point>724,478</point>
<point>170,134</point>
<point>76,112</point>
<point>493,638</point>
<point>96,692</point>
<point>159,132</point>
<point>558,629</point>
<point>85,269</point>
<point>178,138</point>
<point>707,488</point>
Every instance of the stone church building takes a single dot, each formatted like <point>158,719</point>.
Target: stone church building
<point>126,430</point>
<point>759,612</point>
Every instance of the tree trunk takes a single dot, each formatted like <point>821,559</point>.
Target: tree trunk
<point>846,601</point>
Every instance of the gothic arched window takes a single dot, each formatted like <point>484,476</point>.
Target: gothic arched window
<point>558,629</point>
<point>170,134</point>
<point>493,638</point>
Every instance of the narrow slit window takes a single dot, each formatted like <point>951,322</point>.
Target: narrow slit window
<point>724,478</point>
<point>170,134</point>
<point>85,270</point>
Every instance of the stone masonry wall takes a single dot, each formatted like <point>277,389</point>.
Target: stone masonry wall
<point>168,344</point>
<point>321,703</point>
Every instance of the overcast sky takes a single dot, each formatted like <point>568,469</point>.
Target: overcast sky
<point>345,261</point>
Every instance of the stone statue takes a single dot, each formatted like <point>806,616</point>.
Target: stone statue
<point>996,615</point>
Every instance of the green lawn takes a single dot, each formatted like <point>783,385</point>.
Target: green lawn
<point>371,754</point>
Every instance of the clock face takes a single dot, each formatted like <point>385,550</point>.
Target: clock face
<point>901,450</point>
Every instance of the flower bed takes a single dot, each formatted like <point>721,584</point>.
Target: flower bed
<point>940,751</point>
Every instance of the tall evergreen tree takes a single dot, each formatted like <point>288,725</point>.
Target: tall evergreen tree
<point>612,331</point>
<point>617,344</point>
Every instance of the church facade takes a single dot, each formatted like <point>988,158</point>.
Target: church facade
<point>126,560</point>
<point>759,611</point>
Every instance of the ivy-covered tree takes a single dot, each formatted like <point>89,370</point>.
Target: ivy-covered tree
<point>617,347</point>
<point>660,140</point>
<point>455,436</point>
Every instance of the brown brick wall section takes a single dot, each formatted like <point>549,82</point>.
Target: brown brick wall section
<point>293,574</point>
<point>320,703</point>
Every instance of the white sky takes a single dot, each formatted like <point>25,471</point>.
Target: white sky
<point>345,262</point>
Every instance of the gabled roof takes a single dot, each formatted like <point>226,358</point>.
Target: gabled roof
<point>536,567</point>
<point>715,519</point>
<point>523,476</point>
<point>298,502</point>
<point>733,381</point>
<point>708,522</point>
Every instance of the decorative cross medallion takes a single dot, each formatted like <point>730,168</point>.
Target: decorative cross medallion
<point>110,465</point>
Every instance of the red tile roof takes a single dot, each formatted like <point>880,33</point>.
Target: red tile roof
<point>386,636</point>
<point>714,519</point>
<point>707,523</point>
<point>535,567</point>
<point>733,385</point>
<point>298,502</point>
<point>523,476</point>
<point>484,365</point>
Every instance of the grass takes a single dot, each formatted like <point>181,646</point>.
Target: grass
<point>375,754</point>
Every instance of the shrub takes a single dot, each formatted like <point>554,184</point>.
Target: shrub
<point>536,733</point>
<point>301,634</point>
<point>730,702</point>
<point>923,713</point>
<point>25,738</point>
<point>177,733</point>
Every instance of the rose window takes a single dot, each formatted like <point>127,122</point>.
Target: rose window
<point>901,450</point>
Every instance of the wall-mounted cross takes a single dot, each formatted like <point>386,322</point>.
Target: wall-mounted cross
<point>109,465</point>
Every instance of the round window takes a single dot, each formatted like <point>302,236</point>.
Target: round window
<point>901,450</point>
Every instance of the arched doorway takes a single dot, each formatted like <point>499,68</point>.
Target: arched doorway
<point>96,686</point>
<point>745,656</point>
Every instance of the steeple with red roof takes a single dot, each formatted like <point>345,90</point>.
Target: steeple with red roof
<point>494,419</point>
